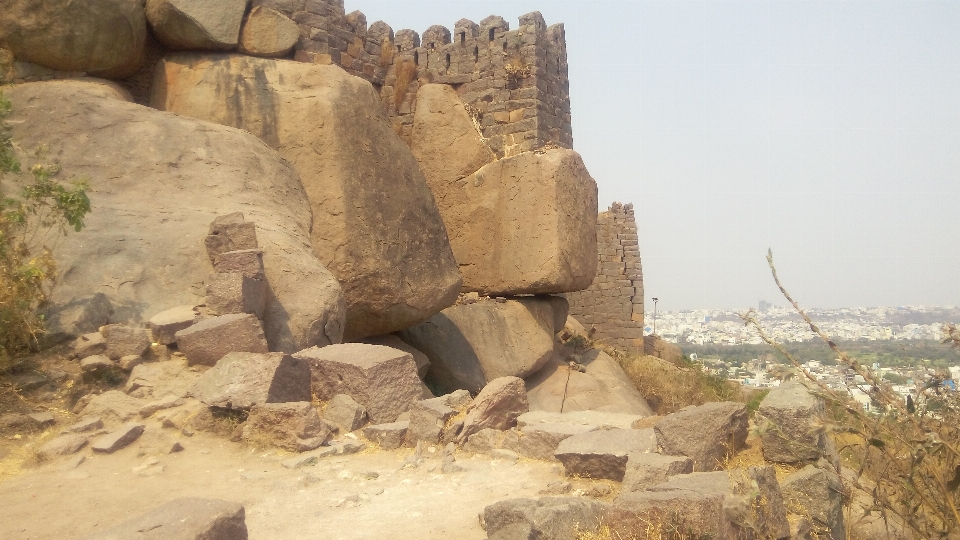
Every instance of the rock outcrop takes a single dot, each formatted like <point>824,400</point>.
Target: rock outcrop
<point>470,345</point>
<point>505,248</point>
<point>104,38</point>
<point>375,223</point>
<point>157,180</point>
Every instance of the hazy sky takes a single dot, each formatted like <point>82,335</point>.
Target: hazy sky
<point>828,131</point>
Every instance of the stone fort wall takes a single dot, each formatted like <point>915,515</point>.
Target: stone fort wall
<point>514,81</point>
<point>612,307</point>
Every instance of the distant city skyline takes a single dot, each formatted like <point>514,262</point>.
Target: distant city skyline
<point>827,131</point>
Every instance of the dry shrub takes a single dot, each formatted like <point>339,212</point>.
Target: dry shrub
<point>386,53</point>
<point>406,74</point>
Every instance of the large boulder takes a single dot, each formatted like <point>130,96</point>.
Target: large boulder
<point>598,384</point>
<point>183,519</point>
<point>707,434</point>
<point>742,504</point>
<point>382,379</point>
<point>156,182</point>
<point>196,24</point>
<point>524,224</point>
<point>445,139</point>
<point>470,345</point>
<point>268,33</point>
<point>791,425</point>
<point>100,37</point>
<point>375,223</point>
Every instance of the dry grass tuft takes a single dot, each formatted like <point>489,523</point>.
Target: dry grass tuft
<point>406,74</point>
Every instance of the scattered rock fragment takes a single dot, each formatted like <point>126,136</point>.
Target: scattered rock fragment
<point>96,362</point>
<point>89,345</point>
<point>208,341</point>
<point>790,427</point>
<point>118,439</point>
<point>603,454</point>
<point>388,436</point>
<point>63,445</point>
<point>242,380</point>
<point>345,413</point>
<point>183,519</point>
<point>166,402</point>
<point>816,494</point>
<point>706,434</point>
<point>233,292</point>
<point>86,425</point>
<point>113,406</point>
<point>649,469</point>
<point>123,340</point>
<point>230,233</point>
<point>497,406</point>
<point>556,518</point>
<point>428,418</point>
<point>292,426</point>
<point>127,363</point>
<point>165,325</point>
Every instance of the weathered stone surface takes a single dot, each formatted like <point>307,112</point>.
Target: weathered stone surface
<point>104,38</point>
<point>183,519</point>
<point>603,453</point>
<point>230,233</point>
<point>392,341</point>
<point>446,142</point>
<point>428,418</point>
<point>601,386</point>
<point>165,402</point>
<point>646,469</point>
<point>382,379</point>
<point>268,33</point>
<point>346,413</point>
<point>390,253</point>
<point>540,441</point>
<point>208,341</point>
<point>388,436</point>
<point>791,427</point>
<point>166,324</point>
<point>96,362</point>
<point>502,247</point>
<point>497,406</point>
<point>292,426</point>
<point>551,518</point>
<point>113,406</point>
<point>144,236</point>
<point>726,505</point>
<point>125,340</point>
<point>234,292</point>
<point>471,345</point>
<point>516,531</point>
<point>89,345</point>
<point>64,445</point>
<point>122,437</point>
<point>584,418</point>
<point>816,494</point>
<point>242,380</point>
<point>86,425</point>
<point>196,24</point>
<point>42,419</point>
<point>248,262</point>
<point>159,379</point>
<point>127,363</point>
<point>706,434</point>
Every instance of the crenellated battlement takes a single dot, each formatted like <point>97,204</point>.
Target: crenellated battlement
<point>515,81</point>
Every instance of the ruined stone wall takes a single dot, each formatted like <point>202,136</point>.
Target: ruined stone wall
<point>515,81</point>
<point>613,305</point>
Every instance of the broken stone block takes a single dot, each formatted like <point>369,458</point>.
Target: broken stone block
<point>125,340</point>
<point>816,494</point>
<point>42,419</point>
<point>127,363</point>
<point>158,379</point>
<point>96,362</point>
<point>183,519</point>
<point>791,430</point>
<point>706,434</point>
<point>603,454</point>
<point>236,293</point>
<point>166,402</point>
<point>540,441</point>
<point>392,341</point>
<point>309,459</point>
<point>427,421</point>
<point>648,469</point>
<point>158,443</point>
<point>113,406</point>
<point>242,380</point>
<point>382,379</point>
<point>556,518</point>
<point>118,439</point>
<point>230,233</point>
<point>208,341</point>
<point>497,406</point>
<point>89,345</point>
<point>292,426</point>
<point>388,436</point>
<point>345,413</point>
<point>741,503</point>
<point>248,262</point>
<point>64,445</point>
<point>86,425</point>
<point>165,325</point>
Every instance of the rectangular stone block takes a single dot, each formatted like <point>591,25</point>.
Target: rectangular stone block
<point>248,262</point>
<point>236,293</point>
<point>208,341</point>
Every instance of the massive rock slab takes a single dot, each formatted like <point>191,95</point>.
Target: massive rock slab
<point>196,24</point>
<point>375,223</point>
<point>600,386</point>
<point>156,182</point>
<point>100,37</point>
<point>470,345</point>
<point>268,33</point>
<point>524,224</point>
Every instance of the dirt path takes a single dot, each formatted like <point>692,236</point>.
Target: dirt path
<point>366,495</point>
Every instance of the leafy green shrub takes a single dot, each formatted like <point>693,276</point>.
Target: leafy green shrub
<point>30,223</point>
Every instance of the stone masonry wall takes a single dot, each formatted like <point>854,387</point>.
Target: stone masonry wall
<point>613,305</point>
<point>515,81</point>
